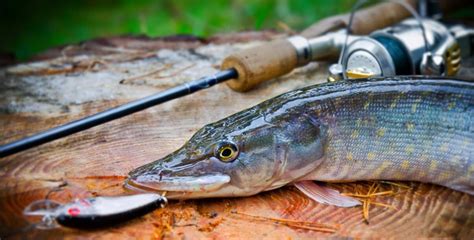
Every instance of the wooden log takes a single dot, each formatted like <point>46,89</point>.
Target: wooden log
<point>73,82</point>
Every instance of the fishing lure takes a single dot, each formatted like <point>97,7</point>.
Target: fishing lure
<point>403,128</point>
<point>92,212</point>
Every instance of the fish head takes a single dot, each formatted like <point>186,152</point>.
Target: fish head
<point>228,160</point>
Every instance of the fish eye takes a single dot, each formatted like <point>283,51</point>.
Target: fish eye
<point>227,152</point>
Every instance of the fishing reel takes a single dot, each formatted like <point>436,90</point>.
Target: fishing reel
<point>413,47</point>
<point>408,48</point>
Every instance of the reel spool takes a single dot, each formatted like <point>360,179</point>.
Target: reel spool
<point>401,50</point>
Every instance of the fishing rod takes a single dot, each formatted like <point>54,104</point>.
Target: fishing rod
<point>243,70</point>
<point>115,113</point>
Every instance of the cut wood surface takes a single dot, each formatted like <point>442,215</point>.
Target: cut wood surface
<point>67,83</point>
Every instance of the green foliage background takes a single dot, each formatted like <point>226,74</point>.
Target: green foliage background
<point>30,26</point>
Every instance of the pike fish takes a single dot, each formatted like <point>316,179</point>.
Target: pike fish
<point>405,128</point>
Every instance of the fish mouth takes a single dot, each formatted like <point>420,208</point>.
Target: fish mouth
<point>177,184</point>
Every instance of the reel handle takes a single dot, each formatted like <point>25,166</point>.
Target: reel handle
<point>365,21</point>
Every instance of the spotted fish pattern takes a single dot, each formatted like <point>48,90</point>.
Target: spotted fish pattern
<point>404,128</point>
<point>417,130</point>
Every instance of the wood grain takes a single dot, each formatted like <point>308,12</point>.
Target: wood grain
<point>95,162</point>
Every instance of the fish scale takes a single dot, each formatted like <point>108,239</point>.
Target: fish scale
<point>422,137</point>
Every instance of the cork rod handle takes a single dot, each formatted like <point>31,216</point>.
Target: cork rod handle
<point>258,64</point>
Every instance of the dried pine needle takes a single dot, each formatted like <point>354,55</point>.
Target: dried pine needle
<point>148,74</point>
<point>177,71</point>
<point>369,196</point>
<point>293,223</point>
<point>285,27</point>
<point>365,209</point>
<point>384,205</point>
<point>396,184</point>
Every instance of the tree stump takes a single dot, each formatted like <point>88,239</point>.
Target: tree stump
<point>71,82</point>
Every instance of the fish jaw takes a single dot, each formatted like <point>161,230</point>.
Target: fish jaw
<point>153,182</point>
<point>179,175</point>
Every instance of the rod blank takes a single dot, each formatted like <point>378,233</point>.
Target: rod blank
<point>114,113</point>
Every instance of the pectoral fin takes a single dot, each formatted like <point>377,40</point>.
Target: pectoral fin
<point>325,195</point>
